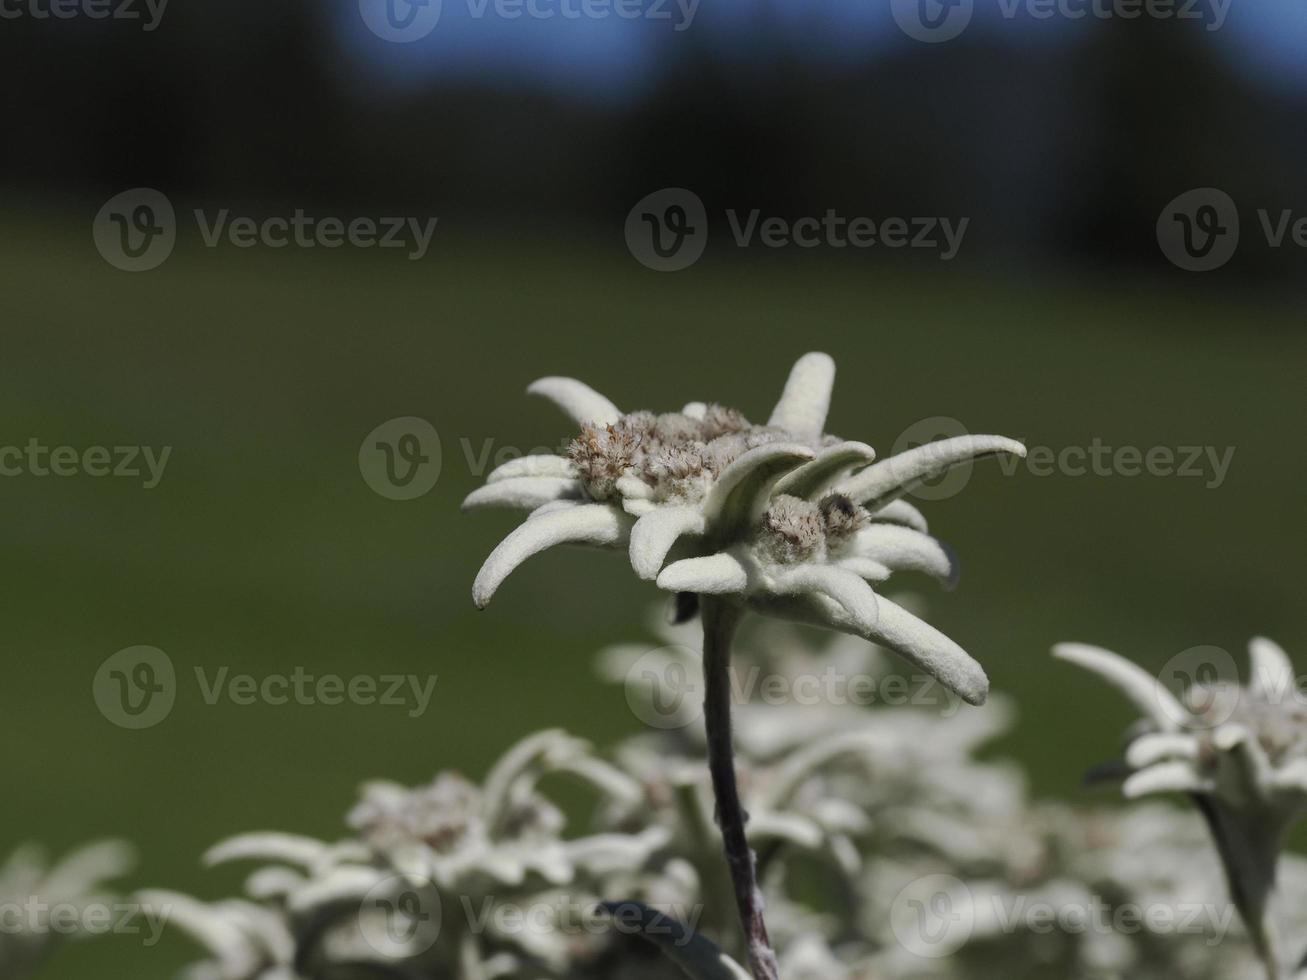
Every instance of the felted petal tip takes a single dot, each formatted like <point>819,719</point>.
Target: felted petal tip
<point>523,493</point>
<point>902,548</point>
<point>596,524</point>
<point>539,464</point>
<point>1141,688</point>
<point>719,574</point>
<point>806,398</point>
<point>898,475</point>
<point>655,534</point>
<point>581,403</point>
<point>1273,673</point>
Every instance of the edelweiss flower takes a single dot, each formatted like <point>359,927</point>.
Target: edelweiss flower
<point>1240,752</point>
<point>780,518</point>
<point>31,892</point>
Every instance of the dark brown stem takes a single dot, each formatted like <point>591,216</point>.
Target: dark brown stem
<point>719,622</point>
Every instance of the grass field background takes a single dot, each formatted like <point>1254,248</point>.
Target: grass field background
<point>262,549</point>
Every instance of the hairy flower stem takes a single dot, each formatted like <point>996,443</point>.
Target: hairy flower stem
<point>719,622</point>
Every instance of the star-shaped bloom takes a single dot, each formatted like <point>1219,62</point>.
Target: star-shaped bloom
<point>1239,751</point>
<point>780,518</point>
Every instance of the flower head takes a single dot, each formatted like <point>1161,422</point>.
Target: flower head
<point>1239,751</point>
<point>781,518</point>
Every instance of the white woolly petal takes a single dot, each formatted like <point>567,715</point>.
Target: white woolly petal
<point>928,648</point>
<point>654,535</point>
<point>347,883</point>
<point>842,585</point>
<point>903,549</point>
<point>812,479</point>
<point>287,848</point>
<point>1148,750</point>
<point>1141,688</point>
<point>633,487</point>
<point>717,574</point>
<point>891,478</point>
<point>871,570</point>
<point>581,403</point>
<point>596,524</point>
<point>1168,777</point>
<point>638,508</point>
<point>524,492</point>
<point>1273,673</point>
<point>208,926</point>
<point>898,630</point>
<point>901,512</point>
<point>695,410</point>
<point>739,496</point>
<point>554,506</point>
<point>537,465</point>
<point>787,827</point>
<point>806,398</point>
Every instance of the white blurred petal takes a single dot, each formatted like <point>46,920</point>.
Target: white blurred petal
<point>1141,688</point>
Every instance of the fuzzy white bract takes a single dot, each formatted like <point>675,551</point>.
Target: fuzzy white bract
<point>782,518</point>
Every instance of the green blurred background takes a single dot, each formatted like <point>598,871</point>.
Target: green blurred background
<point>263,550</point>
